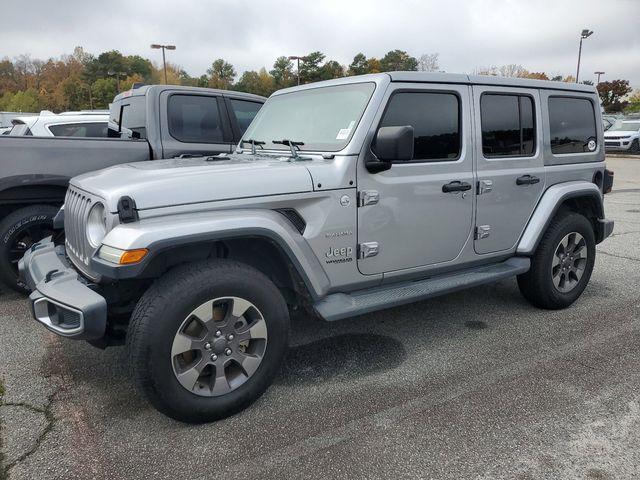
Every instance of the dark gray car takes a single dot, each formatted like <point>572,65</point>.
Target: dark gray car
<point>146,123</point>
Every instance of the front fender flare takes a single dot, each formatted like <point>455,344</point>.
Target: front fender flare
<point>163,233</point>
<point>548,206</point>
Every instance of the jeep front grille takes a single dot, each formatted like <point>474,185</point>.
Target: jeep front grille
<point>77,204</point>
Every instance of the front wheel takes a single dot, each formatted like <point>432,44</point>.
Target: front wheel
<point>18,231</point>
<point>206,340</point>
<point>562,264</point>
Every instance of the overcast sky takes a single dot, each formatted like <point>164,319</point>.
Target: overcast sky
<point>541,35</point>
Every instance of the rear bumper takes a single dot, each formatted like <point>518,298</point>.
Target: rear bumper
<point>60,299</point>
<point>604,229</point>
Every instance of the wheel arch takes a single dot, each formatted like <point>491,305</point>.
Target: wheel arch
<point>265,240</point>
<point>25,190</point>
<point>580,197</point>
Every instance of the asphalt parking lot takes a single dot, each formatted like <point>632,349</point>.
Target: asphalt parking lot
<point>478,384</point>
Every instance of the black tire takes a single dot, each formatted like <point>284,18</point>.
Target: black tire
<point>18,231</point>
<point>635,146</point>
<point>537,284</point>
<point>159,315</point>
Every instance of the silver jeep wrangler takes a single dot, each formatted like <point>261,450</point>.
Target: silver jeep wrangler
<point>344,197</point>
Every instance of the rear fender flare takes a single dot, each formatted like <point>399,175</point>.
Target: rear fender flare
<point>548,206</point>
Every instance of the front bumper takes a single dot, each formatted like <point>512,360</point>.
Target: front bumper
<point>60,299</point>
<point>604,229</point>
<point>617,145</point>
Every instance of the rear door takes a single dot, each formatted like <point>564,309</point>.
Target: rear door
<point>194,124</point>
<point>510,167</point>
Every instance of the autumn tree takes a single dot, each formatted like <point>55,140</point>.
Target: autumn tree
<point>611,94</point>
<point>221,74</point>
<point>259,83</point>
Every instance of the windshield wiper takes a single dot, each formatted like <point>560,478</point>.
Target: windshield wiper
<point>253,144</point>
<point>291,144</point>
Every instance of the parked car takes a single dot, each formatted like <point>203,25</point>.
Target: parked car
<point>146,123</point>
<point>624,136</point>
<point>608,121</point>
<point>67,124</point>
<point>347,196</point>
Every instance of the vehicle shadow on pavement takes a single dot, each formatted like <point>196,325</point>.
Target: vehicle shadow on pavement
<point>341,357</point>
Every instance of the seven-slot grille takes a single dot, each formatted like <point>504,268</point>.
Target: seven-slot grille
<point>76,209</point>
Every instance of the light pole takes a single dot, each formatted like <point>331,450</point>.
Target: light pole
<point>598,74</point>
<point>164,61</point>
<point>116,74</point>
<point>297,59</point>
<point>586,33</point>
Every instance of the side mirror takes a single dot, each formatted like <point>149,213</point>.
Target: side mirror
<point>391,143</point>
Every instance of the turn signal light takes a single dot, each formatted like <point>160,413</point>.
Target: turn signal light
<point>133,256</point>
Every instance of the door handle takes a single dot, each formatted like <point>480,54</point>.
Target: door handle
<point>456,186</point>
<point>527,180</point>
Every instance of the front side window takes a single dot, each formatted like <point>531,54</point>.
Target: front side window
<point>508,126</point>
<point>572,125</point>
<point>97,129</point>
<point>194,119</point>
<point>244,112</point>
<point>435,118</point>
<point>322,118</point>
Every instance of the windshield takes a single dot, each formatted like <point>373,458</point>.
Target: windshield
<point>625,126</point>
<point>323,118</point>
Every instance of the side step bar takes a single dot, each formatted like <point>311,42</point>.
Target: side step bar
<point>343,305</point>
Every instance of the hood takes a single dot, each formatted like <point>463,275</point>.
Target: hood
<point>160,183</point>
<point>620,133</point>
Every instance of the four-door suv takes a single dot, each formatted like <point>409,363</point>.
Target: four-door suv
<point>623,136</point>
<point>344,197</point>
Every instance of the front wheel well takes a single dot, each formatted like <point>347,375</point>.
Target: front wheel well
<point>261,253</point>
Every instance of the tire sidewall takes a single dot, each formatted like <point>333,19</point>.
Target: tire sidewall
<point>174,308</point>
<point>571,223</point>
<point>11,227</point>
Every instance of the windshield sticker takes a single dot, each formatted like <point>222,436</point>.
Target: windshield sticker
<point>344,133</point>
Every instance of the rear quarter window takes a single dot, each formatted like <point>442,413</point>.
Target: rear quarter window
<point>572,125</point>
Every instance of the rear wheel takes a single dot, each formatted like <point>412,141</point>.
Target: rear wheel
<point>18,231</point>
<point>206,340</point>
<point>562,264</point>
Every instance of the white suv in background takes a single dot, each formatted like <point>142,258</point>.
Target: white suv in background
<point>90,123</point>
<point>623,136</point>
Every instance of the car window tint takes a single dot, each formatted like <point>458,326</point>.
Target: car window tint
<point>97,129</point>
<point>195,119</point>
<point>244,112</point>
<point>508,126</point>
<point>435,118</point>
<point>572,123</point>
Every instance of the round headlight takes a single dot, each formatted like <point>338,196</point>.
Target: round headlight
<point>96,225</point>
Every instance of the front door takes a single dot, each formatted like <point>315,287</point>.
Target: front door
<point>415,222</point>
<point>510,165</point>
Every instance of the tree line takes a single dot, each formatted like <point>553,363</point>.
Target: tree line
<point>85,81</point>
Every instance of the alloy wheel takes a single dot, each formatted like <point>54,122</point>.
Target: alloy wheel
<point>219,346</point>
<point>569,262</point>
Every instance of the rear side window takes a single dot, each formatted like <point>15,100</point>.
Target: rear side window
<point>572,124</point>
<point>508,126</point>
<point>244,112</point>
<point>195,119</point>
<point>128,115</point>
<point>97,129</point>
<point>435,118</point>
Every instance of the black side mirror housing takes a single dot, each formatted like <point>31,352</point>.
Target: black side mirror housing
<point>391,143</point>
